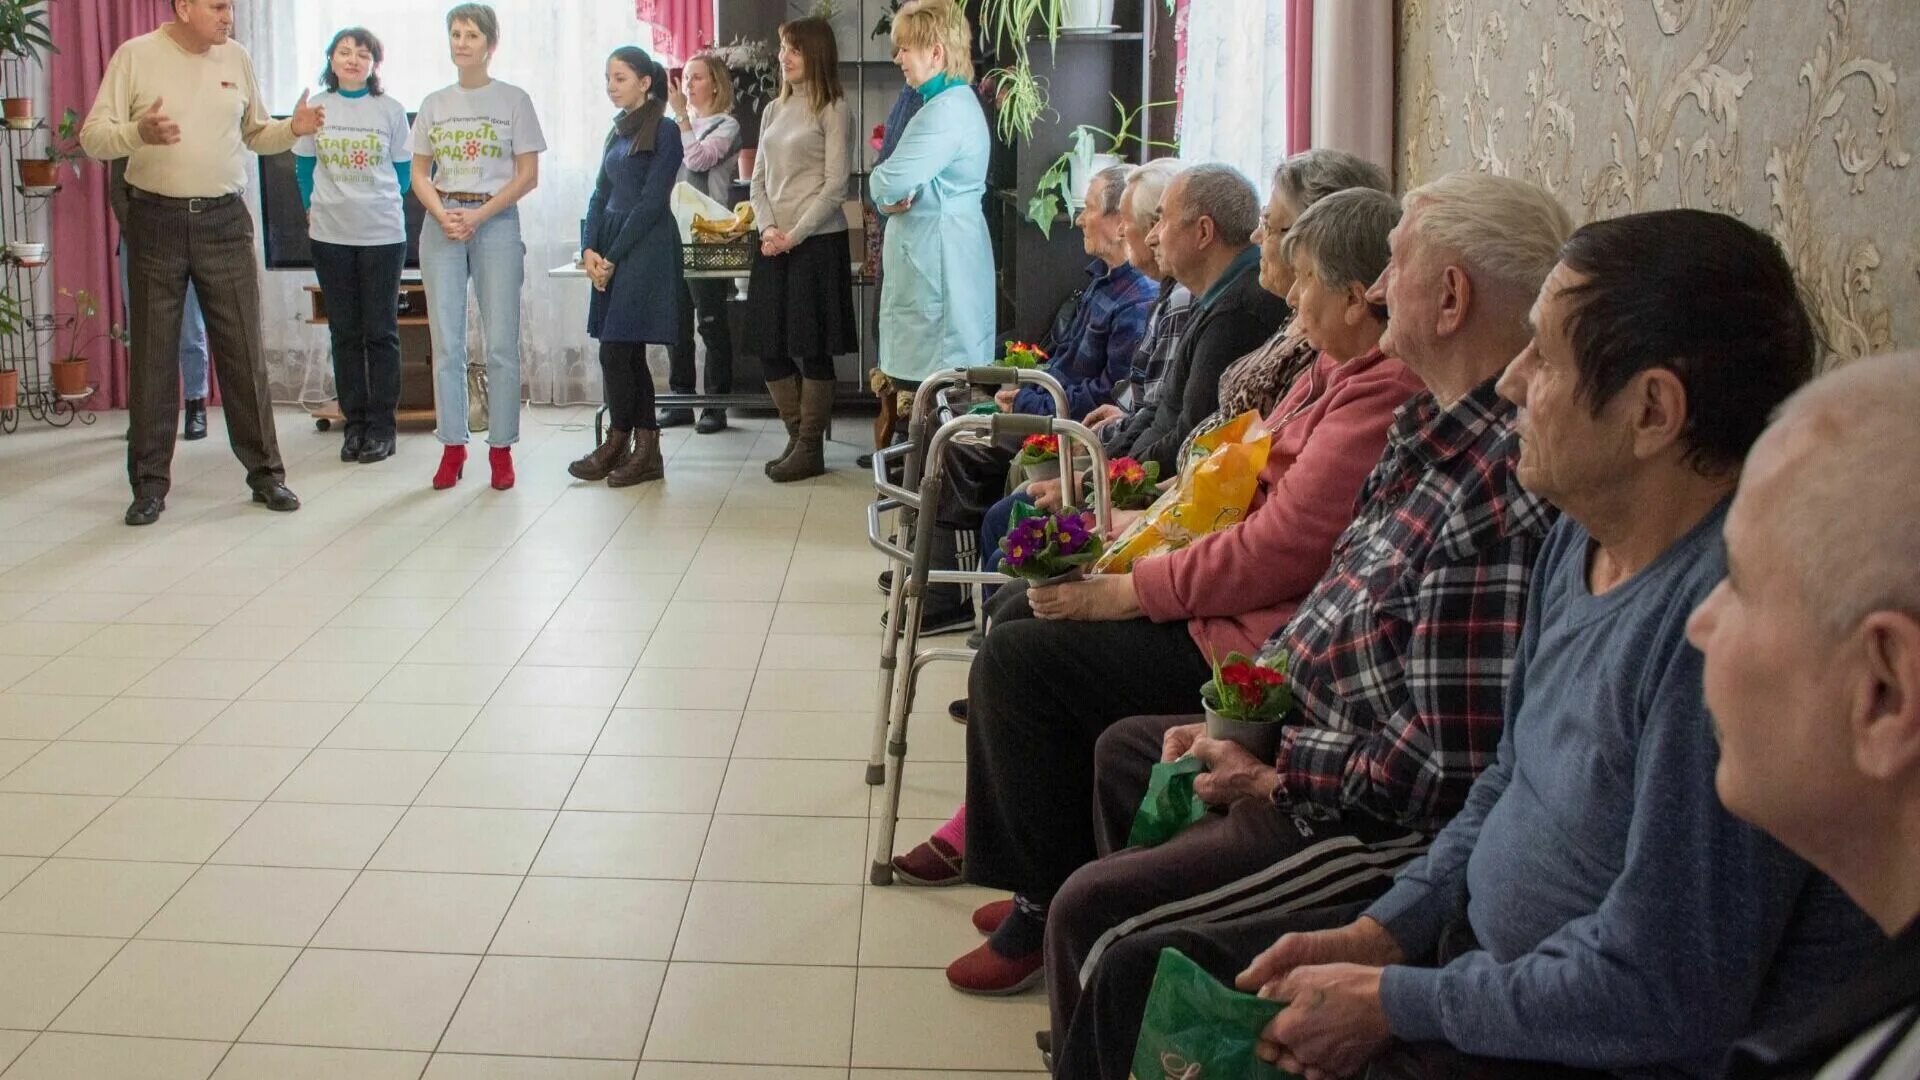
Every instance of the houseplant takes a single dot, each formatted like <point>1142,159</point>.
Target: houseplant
<point>63,148</point>
<point>1039,456</point>
<point>1047,549</point>
<point>13,319</point>
<point>1064,184</point>
<point>70,372</point>
<point>756,82</point>
<point>1245,702</point>
<point>23,34</point>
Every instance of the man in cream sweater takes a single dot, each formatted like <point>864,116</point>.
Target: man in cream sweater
<point>183,105</point>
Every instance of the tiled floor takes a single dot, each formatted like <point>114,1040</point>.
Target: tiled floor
<point>562,782</point>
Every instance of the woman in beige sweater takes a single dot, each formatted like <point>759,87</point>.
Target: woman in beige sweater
<point>801,294</point>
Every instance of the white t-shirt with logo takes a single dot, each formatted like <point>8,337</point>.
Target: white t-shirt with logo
<point>356,193</point>
<point>474,135</point>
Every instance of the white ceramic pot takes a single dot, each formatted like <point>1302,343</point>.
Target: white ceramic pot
<point>1082,170</point>
<point>1085,14</point>
<point>1259,738</point>
<point>22,250</point>
<point>1045,470</point>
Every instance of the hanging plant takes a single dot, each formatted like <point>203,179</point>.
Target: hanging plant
<point>1008,25</point>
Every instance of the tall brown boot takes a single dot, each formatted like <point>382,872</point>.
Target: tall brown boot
<point>602,461</point>
<point>643,464</point>
<point>809,457</point>
<point>786,397</point>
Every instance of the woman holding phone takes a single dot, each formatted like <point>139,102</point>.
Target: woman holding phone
<point>476,153</point>
<point>632,253</point>
<point>353,176</point>
<point>702,104</point>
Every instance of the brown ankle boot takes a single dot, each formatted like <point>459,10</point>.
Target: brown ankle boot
<point>643,464</point>
<point>809,457</point>
<point>786,398</point>
<point>602,461</point>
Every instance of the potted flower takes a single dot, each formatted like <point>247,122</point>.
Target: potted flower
<point>1024,356</point>
<point>1245,702</point>
<point>1131,485</point>
<point>1039,457</point>
<point>70,372</point>
<point>1064,184</point>
<point>1047,549</point>
<point>13,319</point>
<point>756,82</point>
<point>62,149</point>
<point>23,34</point>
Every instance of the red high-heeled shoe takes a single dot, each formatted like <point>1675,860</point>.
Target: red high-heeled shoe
<point>453,464</point>
<point>501,458</point>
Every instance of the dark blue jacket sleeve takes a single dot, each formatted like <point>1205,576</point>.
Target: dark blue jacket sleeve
<point>654,197</point>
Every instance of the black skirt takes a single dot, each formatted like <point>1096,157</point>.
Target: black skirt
<point>801,303</point>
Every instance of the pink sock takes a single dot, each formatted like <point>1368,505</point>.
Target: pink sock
<point>954,832</point>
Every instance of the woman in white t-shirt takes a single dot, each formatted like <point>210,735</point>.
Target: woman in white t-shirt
<point>476,153</point>
<point>353,175</point>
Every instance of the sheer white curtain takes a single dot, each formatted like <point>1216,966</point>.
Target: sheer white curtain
<point>1235,101</point>
<point>557,53</point>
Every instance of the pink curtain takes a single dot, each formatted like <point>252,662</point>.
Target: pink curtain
<point>686,26</point>
<point>1299,75</point>
<point>83,231</point>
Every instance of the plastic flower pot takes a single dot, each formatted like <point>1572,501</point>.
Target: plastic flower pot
<point>1078,573</point>
<point>9,390</point>
<point>1043,470</point>
<point>18,108</point>
<point>70,377</point>
<point>38,172</point>
<point>1261,738</point>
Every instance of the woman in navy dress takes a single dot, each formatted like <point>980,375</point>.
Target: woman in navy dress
<point>632,254</point>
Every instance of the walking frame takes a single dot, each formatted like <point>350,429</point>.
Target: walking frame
<point>918,494</point>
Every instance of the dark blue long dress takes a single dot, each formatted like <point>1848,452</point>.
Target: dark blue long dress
<point>629,224</point>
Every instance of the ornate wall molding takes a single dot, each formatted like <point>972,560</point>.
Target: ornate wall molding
<point>1787,113</point>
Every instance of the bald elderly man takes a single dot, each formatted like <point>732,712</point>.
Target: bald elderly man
<point>1812,648</point>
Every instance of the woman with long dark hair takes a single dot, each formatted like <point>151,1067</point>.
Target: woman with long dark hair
<point>632,253</point>
<point>353,176</point>
<point>801,292</point>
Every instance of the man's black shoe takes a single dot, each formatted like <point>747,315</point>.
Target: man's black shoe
<point>145,510</point>
<point>277,498</point>
<point>352,447</point>
<point>886,582</point>
<point>675,417</point>
<point>376,450</point>
<point>196,423</point>
<point>711,421</point>
<point>942,620</point>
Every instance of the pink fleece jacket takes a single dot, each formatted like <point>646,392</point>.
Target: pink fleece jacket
<point>1237,586</point>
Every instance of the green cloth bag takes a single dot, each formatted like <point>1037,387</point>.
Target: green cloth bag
<point>1197,1029</point>
<point>1170,805</point>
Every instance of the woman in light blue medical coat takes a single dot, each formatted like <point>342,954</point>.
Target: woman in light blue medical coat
<point>937,306</point>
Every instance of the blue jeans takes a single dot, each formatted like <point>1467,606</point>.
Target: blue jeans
<point>495,260</point>
<point>193,337</point>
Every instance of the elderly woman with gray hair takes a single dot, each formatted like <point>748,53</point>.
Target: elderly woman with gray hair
<point>1061,664</point>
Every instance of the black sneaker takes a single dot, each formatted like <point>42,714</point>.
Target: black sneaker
<point>942,620</point>
<point>675,417</point>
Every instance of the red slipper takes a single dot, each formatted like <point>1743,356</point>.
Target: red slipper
<point>988,917</point>
<point>932,864</point>
<point>989,974</point>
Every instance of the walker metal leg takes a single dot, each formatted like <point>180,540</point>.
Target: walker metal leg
<point>899,706</point>
<point>889,668</point>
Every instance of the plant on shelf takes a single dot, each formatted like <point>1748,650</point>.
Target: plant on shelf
<point>70,371</point>
<point>756,78</point>
<point>13,320</point>
<point>23,29</point>
<point>885,25</point>
<point>1064,184</point>
<point>63,148</point>
<point>1020,95</point>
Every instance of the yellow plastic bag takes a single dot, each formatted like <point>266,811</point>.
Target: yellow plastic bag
<point>1217,483</point>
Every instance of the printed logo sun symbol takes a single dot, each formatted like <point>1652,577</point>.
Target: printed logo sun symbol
<point>359,159</point>
<point>472,149</point>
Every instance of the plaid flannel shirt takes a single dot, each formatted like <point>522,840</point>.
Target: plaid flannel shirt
<point>1097,350</point>
<point>1169,319</point>
<point>1401,655</point>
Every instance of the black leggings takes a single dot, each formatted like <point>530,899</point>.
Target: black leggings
<point>629,385</point>
<point>786,367</point>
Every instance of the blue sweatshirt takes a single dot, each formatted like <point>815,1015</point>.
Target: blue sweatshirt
<point>1626,921</point>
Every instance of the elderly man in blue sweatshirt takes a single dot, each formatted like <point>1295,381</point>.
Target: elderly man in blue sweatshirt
<point>1594,907</point>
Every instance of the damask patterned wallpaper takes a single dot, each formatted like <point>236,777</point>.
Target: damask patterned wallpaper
<point>1799,116</point>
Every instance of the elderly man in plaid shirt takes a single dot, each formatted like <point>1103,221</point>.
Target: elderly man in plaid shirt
<point>1399,657</point>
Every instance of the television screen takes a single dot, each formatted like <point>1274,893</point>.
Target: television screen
<point>283,221</point>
